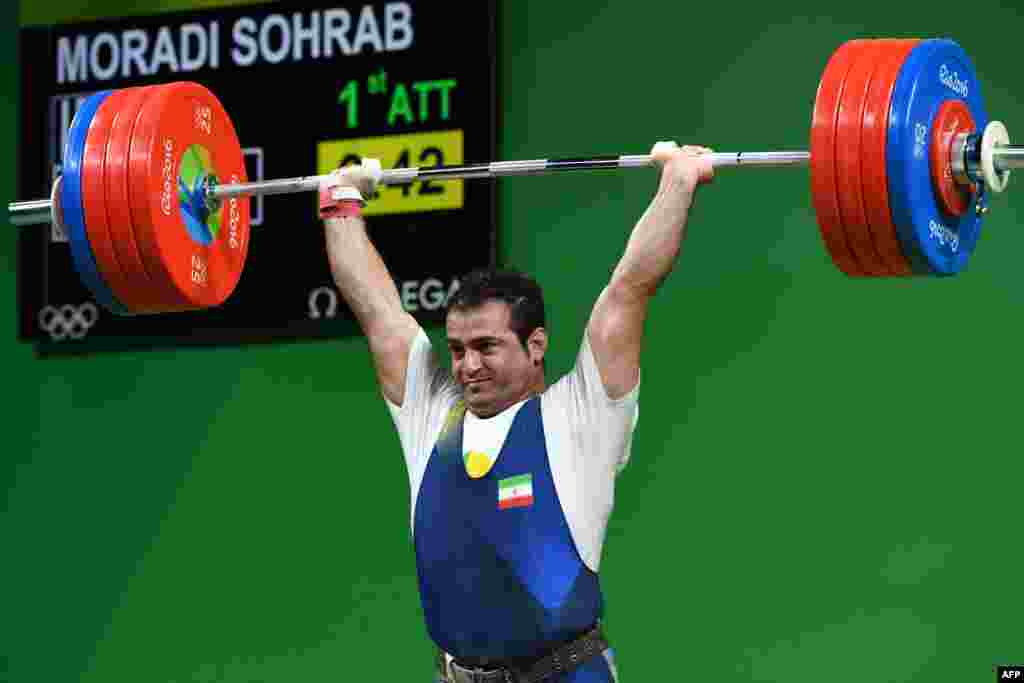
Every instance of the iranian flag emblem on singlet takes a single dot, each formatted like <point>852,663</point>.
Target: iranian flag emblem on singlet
<point>515,492</point>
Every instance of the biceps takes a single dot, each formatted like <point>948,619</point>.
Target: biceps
<point>616,333</point>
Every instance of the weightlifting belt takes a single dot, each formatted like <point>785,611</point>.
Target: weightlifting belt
<point>562,660</point>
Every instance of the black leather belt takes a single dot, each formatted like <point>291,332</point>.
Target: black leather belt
<point>562,660</point>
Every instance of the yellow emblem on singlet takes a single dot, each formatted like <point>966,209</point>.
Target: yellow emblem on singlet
<point>477,464</point>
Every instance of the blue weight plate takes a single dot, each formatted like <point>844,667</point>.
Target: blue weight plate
<point>933,242</point>
<point>71,202</point>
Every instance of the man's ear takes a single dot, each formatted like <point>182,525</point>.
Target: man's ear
<point>537,345</point>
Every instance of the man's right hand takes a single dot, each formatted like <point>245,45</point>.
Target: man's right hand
<point>348,184</point>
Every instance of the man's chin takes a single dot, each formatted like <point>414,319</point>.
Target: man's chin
<point>480,404</point>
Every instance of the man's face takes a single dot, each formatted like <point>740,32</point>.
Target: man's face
<point>488,360</point>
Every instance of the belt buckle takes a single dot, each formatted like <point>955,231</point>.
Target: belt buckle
<point>478,675</point>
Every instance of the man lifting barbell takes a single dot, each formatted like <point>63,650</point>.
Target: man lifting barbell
<point>512,481</point>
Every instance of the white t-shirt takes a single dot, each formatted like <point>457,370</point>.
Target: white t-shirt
<point>589,436</point>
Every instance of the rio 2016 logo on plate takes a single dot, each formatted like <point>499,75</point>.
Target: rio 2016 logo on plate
<point>193,174</point>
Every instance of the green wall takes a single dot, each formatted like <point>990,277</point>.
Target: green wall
<point>826,478</point>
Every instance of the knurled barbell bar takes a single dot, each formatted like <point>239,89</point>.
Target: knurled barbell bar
<point>153,191</point>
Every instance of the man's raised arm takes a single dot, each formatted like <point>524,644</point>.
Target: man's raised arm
<point>616,324</point>
<point>363,279</point>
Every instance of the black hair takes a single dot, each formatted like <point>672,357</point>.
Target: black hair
<point>520,291</point>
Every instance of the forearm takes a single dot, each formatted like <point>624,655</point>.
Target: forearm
<point>616,324</point>
<point>654,244</point>
<point>360,274</point>
<point>363,278</point>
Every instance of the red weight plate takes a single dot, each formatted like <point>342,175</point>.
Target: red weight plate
<point>182,136</point>
<point>145,295</point>
<point>954,117</point>
<point>873,169</point>
<point>847,158</point>
<point>94,203</point>
<point>824,193</point>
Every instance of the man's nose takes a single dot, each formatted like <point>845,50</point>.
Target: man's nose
<point>471,361</point>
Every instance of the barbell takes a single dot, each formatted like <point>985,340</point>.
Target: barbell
<point>153,190</point>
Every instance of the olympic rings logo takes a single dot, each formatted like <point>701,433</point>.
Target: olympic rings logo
<point>68,321</point>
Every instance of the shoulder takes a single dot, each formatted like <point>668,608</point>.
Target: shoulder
<point>426,378</point>
<point>582,386</point>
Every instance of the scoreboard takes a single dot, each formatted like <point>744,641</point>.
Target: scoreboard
<point>309,86</point>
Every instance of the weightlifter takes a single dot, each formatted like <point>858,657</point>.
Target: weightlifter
<point>512,481</point>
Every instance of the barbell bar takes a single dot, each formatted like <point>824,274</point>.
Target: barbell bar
<point>39,211</point>
<point>902,158</point>
<point>1005,158</point>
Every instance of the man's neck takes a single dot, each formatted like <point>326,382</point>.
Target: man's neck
<point>536,388</point>
<point>521,400</point>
